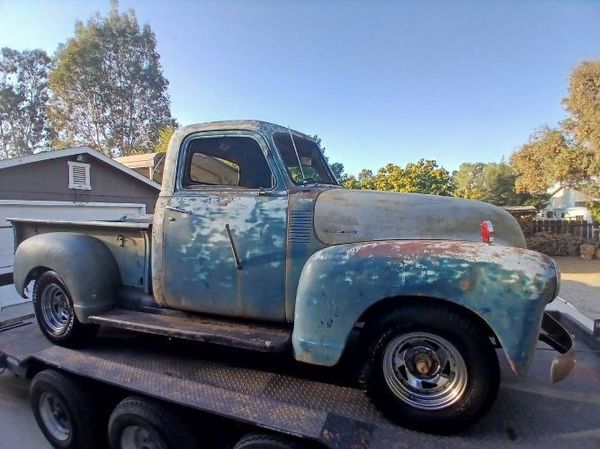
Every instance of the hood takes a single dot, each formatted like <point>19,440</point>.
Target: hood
<point>350,216</point>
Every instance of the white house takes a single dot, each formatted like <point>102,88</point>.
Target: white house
<point>567,204</point>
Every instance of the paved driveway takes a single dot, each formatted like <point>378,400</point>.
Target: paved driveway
<point>581,284</point>
<point>18,428</point>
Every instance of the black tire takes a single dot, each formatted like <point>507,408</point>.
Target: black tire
<point>64,411</point>
<point>66,330</point>
<point>165,427</point>
<point>465,398</point>
<point>265,441</point>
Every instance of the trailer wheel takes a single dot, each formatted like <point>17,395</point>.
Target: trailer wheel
<point>137,423</point>
<point>55,313</point>
<point>431,369</point>
<point>265,441</point>
<point>63,410</point>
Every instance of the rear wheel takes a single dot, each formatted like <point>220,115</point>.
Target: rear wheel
<point>266,441</point>
<point>138,423</point>
<point>431,369</point>
<point>55,313</point>
<point>64,411</point>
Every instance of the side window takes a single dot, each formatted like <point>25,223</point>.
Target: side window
<point>226,161</point>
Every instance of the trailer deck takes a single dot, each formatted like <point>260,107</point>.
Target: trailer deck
<point>273,392</point>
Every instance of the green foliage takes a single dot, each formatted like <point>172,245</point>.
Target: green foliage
<point>336,167</point>
<point>551,157</point>
<point>164,137</point>
<point>424,176</point>
<point>469,180</point>
<point>583,105</point>
<point>338,170</point>
<point>493,183</point>
<point>23,99</point>
<point>570,155</point>
<point>594,207</point>
<point>108,88</point>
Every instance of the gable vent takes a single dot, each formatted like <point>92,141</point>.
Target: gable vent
<point>79,176</point>
<point>300,226</point>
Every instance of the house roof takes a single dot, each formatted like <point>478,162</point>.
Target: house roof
<point>55,154</point>
<point>139,160</point>
<point>520,208</point>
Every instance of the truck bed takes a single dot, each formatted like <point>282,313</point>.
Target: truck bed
<point>129,241</point>
<point>273,392</point>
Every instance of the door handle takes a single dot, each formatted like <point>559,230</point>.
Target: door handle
<point>178,209</point>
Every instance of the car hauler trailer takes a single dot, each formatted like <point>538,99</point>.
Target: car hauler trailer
<point>226,397</point>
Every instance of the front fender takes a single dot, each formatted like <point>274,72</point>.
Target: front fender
<point>83,262</point>
<point>507,287</point>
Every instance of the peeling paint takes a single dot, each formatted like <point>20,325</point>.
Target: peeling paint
<point>507,287</point>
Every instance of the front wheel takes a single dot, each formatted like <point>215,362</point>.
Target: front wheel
<point>431,369</point>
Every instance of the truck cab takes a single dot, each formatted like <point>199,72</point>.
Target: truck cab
<point>225,228</point>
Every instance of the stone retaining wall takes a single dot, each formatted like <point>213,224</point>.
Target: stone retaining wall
<point>563,245</point>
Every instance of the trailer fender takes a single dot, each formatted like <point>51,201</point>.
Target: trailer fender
<point>83,262</point>
<point>506,287</point>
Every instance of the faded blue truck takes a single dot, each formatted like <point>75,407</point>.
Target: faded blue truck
<point>254,244</point>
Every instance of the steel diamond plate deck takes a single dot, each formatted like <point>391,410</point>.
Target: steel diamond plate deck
<point>272,391</point>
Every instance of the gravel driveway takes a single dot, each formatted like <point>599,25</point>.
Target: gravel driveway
<point>581,284</point>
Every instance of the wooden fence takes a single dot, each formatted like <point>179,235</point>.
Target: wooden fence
<point>579,229</point>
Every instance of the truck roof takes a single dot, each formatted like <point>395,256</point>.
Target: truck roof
<point>250,125</point>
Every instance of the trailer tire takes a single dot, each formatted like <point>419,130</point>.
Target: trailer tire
<point>64,411</point>
<point>430,368</point>
<point>138,419</point>
<point>265,441</point>
<point>55,312</point>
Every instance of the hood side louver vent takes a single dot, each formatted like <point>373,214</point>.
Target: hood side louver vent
<point>300,226</point>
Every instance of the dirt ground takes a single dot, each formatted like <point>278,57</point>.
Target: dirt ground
<point>581,284</point>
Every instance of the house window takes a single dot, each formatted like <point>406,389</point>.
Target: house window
<point>79,176</point>
<point>580,203</point>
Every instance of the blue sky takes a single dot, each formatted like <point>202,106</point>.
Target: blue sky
<point>378,81</point>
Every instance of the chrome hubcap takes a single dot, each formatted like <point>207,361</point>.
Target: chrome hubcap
<point>424,370</point>
<point>138,437</point>
<point>56,309</point>
<point>54,416</point>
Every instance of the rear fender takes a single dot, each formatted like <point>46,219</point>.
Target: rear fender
<point>83,262</point>
<point>506,287</point>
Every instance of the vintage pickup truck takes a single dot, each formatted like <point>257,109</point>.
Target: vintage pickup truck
<point>254,244</point>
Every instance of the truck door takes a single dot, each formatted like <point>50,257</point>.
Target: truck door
<point>226,198</point>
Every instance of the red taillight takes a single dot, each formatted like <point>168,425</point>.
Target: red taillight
<point>487,231</point>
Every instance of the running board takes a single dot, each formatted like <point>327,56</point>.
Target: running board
<point>255,336</point>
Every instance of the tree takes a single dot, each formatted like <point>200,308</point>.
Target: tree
<point>364,180</point>
<point>583,105</point>
<point>570,155</point>
<point>164,137</point>
<point>424,176</point>
<point>552,157</point>
<point>493,183</point>
<point>336,167</point>
<point>24,128</point>
<point>469,180</point>
<point>108,88</point>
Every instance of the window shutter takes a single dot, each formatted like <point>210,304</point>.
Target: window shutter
<point>79,176</point>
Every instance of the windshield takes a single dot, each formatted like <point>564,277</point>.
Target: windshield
<point>313,163</point>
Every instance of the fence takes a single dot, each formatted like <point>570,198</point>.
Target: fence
<point>579,229</point>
